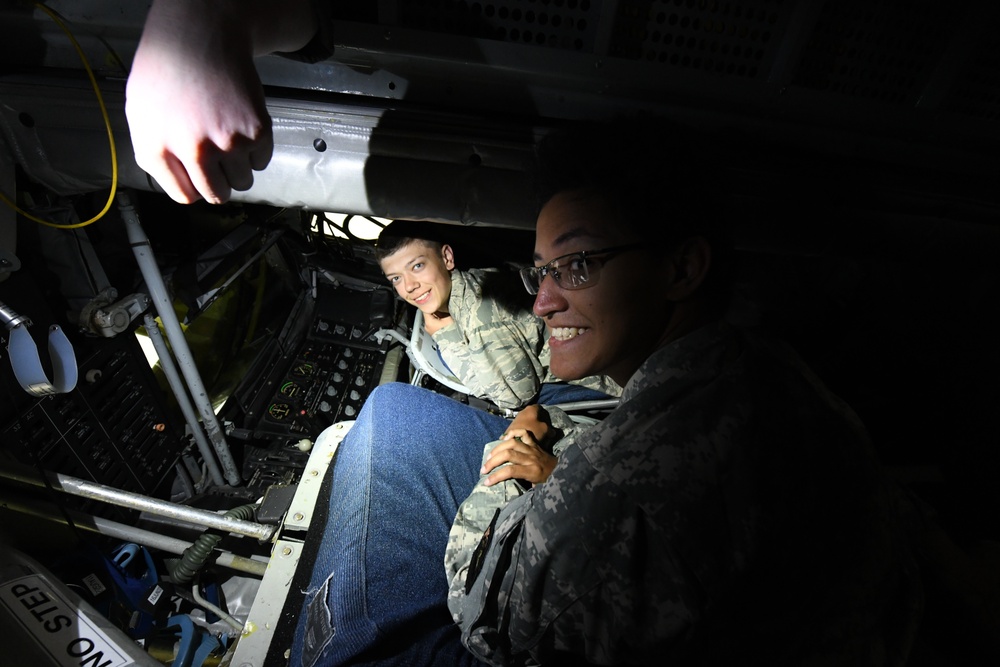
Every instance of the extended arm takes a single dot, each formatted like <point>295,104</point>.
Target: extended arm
<point>194,101</point>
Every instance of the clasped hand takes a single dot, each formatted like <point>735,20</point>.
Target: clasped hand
<point>526,447</point>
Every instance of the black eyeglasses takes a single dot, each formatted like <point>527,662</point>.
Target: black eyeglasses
<point>577,270</point>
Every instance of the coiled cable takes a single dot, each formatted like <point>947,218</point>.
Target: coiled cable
<point>196,555</point>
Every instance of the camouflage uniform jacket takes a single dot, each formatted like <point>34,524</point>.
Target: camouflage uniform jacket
<point>728,512</point>
<point>496,346</point>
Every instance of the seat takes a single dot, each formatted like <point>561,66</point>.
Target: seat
<point>423,354</point>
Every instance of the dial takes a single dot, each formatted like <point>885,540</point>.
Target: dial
<point>303,370</point>
<point>290,389</point>
<point>279,411</point>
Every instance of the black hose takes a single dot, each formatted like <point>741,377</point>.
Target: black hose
<point>195,556</point>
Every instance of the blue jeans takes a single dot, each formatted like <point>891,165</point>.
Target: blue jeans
<point>378,594</point>
<point>554,393</point>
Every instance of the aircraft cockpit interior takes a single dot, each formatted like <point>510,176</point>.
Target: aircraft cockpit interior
<point>176,378</point>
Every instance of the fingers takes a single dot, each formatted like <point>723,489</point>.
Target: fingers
<point>501,474</point>
<point>196,109</point>
<point>261,152</point>
<point>500,455</point>
<point>244,157</point>
<point>212,175</point>
<point>520,434</point>
<point>170,174</point>
<point>519,457</point>
<point>211,179</point>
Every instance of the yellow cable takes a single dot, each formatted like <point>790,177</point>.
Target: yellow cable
<point>107,125</point>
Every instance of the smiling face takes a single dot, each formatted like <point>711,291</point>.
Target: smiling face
<point>611,327</point>
<point>420,272</point>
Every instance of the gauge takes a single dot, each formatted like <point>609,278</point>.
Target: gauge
<point>303,370</point>
<point>290,389</point>
<point>279,411</point>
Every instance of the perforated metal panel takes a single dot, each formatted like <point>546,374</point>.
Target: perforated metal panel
<point>882,51</point>
<point>561,24</point>
<point>722,37</point>
<point>976,92</point>
<point>906,84</point>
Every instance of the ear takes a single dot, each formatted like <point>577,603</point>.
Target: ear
<point>690,263</point>
<point>448,255</point>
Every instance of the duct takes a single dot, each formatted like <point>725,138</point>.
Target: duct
<point>182,352</point>
<point>336,157</point>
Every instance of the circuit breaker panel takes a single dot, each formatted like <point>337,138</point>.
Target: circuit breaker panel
<point>113,428</point>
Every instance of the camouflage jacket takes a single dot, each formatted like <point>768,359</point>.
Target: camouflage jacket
<point>729,511</point>
<point>496,346</point>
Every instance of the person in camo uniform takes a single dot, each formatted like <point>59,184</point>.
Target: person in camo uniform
<point>729,511</point>
<point>480,321</point>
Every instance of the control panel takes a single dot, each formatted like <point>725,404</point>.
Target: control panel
<point>325,383</point>
<point>323,370</point>
<point>113,428</point>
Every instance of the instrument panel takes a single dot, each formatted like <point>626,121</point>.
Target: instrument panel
<point>326,383</point>
<point>324,369</point>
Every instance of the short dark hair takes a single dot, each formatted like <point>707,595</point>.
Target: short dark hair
<point>401,232</point>
<point>654,172</point>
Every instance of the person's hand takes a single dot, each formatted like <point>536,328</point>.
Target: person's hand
<point>526,446</point>
<point>535,420</point>
<point>194,102</point>
<point>528,461</point>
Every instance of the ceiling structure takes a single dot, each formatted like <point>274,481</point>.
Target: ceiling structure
<point>428,108</point>
<point>860,139</point>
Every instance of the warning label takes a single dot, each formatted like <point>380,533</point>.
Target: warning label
<point>70,637</point>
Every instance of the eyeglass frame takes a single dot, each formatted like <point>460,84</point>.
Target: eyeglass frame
<point>551,267</point>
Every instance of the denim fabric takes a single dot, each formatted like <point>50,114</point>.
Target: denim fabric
<point>554,393</point>
<point>377,593</point>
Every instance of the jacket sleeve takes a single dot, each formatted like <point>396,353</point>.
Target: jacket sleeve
<point>493,349</point>
<point>484,532</point>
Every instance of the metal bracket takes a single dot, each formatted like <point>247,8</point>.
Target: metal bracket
<point>26,363</point>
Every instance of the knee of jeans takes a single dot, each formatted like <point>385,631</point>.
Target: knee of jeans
<point>390,395</point>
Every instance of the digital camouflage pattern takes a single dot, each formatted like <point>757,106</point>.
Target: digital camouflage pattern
<point>497,347</point>
<point>728,512</point>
